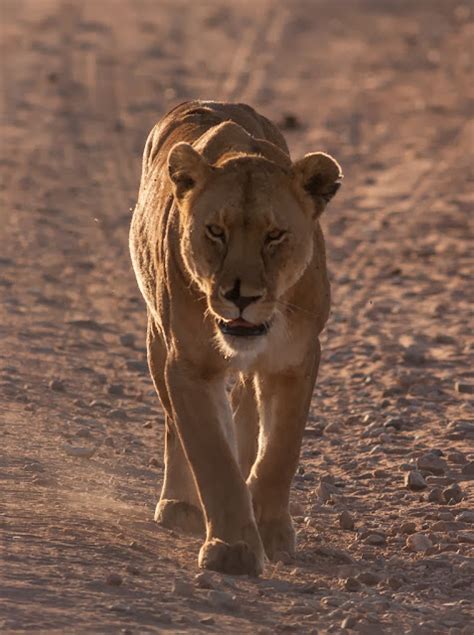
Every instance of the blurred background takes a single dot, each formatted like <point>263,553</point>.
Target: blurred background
<point>383,85</point>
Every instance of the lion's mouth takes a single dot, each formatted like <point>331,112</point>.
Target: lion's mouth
<point>242,328</point>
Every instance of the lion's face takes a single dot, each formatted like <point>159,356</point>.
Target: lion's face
<point>246,238</point>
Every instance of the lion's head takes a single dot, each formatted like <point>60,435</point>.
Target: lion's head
<point>247,233</point>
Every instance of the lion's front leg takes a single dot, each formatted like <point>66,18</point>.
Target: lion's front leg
<point>283,401</point>
<point>233,544</point>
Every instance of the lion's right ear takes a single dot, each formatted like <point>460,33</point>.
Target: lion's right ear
<point>186,168</point>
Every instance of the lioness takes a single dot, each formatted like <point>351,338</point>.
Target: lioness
<point>229,256</point>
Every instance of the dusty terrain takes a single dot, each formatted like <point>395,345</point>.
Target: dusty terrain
<point>384,87</point>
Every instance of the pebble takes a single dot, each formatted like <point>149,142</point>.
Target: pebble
<point>128,339</point>
<point>375,539</point>
<point>346,521</point>
<point>325,490</point>
<point>349,622</point>
<point>351,584</point>
<point>463,387</point>
<point>114,579</point>
<point>223,600</point>
<point>414,480</point>
<point>408,528</point>
<point>204,580</point>
<point>394,422</point>
<point>436,496</point>
<point>466,536</point>
<point>207,621</point>
<point>431,463</point>
<point>418,542</point>
<point>453,494</point>
<point>395,582</point>
<point>337,554</point>
<point>73,450</point>
<point>116,389</point>
<point>456,457</point>
<point>57,385</point>
<point>466,517</point>
<point>468,469</point>
<point>369,578</point>
<point>182,588</point>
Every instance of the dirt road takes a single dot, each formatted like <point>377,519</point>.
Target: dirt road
<point>384,87</point>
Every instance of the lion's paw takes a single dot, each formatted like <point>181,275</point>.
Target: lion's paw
<point>235,559</point>
<point>278,537</point>
<point>181,516</point>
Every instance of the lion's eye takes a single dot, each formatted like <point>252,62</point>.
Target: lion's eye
<point>214,231</point>
<point>275,235</point>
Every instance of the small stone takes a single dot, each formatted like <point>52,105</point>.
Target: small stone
<point>154,462</point>
<point>395,582</point>
<point>72,450</point>
<point>462,387</point>
<point>204,580</point>
<point>408,528</point>
<point>436,496</point>
<point>346,521</point>
<point>337,554</point>
<point>431,463</point>
<point>333,428</point>
<point>351,584</point>
<point>457,457</point>
<point>128,339</point>
<point>369,578</point>
<point>466,517</point>
<point>349,622</point>
<point>466,536</point>
<point>183,588</point>
<point>376,539</point>
<point>207,621</point>
<point>415,481</point>
<point>114,579</point>
<point>116,389</point>
<point>325,491</point>
<point>221,599</point>
<point>418,542</point>
<point>148,424</point>
<point>453,494</point>
<point>57,385</point>
<point>468,469</point>
<point>414,356</point>
<point>394,422</point>
<point>118,413</point>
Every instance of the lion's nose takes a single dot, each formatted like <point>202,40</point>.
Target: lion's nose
<point>240,301</point>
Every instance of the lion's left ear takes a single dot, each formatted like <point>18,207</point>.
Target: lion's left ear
<point>320,176</point>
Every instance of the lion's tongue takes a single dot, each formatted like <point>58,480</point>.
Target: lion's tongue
<point>241,322</point>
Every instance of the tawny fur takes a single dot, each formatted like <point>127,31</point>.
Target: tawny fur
<point>229,463</point>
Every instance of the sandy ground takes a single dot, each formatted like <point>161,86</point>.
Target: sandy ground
<point>384,87</point>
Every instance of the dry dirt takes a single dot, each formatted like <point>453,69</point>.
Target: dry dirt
<point>384,87</point>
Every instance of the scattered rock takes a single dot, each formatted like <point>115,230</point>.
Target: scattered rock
<point>414,480</point>
<point>182,588</point>
<point>431,463</point>
<point>128,339</point>
<point>336,554</point>
<point>204,580</point>
<point>456,457</point>
<point>73,450</point>
<point>436,496</point>
<point>57,385</point>
<point>408,528</point>
<point>114,579</point>
<point>462,387</point>
<point>369,578</point>
<point>418,542</point>
<point>207,621</point>
<point>466,517</point>
<point>466,536</point>
<point>394,422</point>
<point>346,521</point>
<point>148,424</point>
<point>468,469</point>
<point>222,600</point>
<point>460,429</point>
<point>325,490</point>
<point>376,539</point>
<point>333,428</point>
<point>395,582</point>
<point>289,121</point>
<point>118,414</point>
<point>453,494</point>
<point>137,366</point>
<point>351,584</point>
<point>414,356</point>
<point>296,508</point>
<point>116,389</point>
<point>349,622</point>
